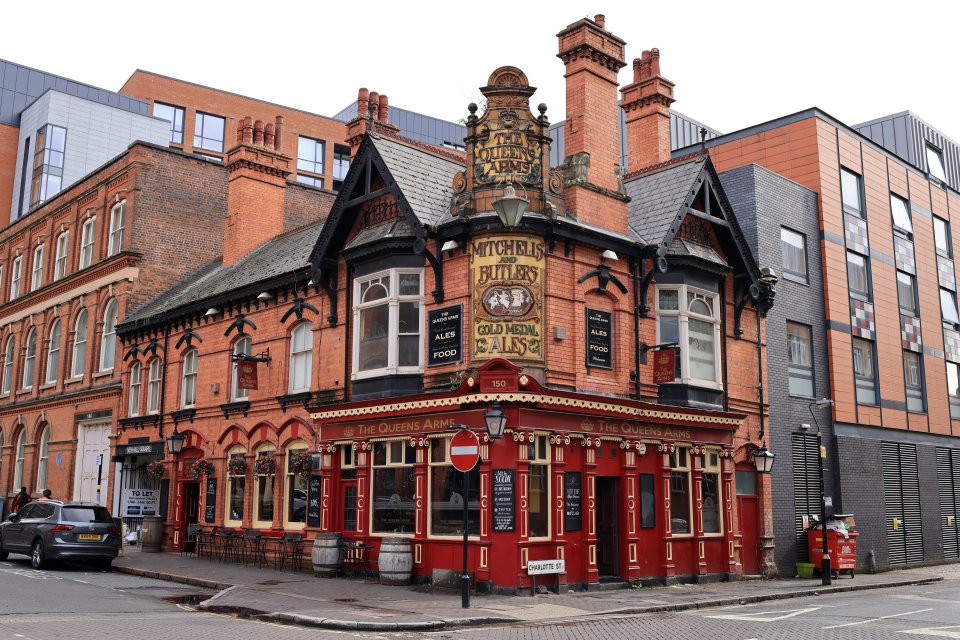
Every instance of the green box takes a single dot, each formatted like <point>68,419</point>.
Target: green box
<point>805,569</point>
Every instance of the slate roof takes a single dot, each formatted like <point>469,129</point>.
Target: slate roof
<point>681,247</point>
<point>425,179</point>
<point>657,197</point>
<point>385,231</point>
<point>281,255</point>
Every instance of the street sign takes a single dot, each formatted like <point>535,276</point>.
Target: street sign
<point>464,450</point>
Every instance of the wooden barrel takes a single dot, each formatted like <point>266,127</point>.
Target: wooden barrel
<point>395,561</point>
<point>326,554</point>
<point>151,534</point>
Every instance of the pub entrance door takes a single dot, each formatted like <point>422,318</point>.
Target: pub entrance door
<point>608,529</point>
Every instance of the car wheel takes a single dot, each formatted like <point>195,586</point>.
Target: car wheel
<point>37,558</point>
<point>3,552</point>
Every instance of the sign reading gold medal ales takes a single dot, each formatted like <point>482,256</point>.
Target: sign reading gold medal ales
<point>507,277</point>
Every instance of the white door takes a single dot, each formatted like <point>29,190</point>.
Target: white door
<point>94,461</point>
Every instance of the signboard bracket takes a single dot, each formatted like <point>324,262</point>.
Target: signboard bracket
<point>263,356</point>
<point>644,347</point>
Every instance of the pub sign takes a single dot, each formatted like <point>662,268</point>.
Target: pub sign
<point>446,335</point>
<point>599,339</point>
<point>246,374</point>
<point>664,365</point>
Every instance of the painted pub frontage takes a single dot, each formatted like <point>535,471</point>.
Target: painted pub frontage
<point>616,322</point>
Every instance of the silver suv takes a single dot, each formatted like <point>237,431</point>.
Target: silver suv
<point>52,530</point>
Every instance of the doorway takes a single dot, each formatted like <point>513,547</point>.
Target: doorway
<point>191,514</point>
<point>94,448</point>
<point>748,508</point>
<point>608,529</point>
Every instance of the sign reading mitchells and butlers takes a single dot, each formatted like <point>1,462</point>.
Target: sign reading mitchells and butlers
<point>507,273</point>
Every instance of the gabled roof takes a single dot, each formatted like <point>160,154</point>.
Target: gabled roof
<point>284,254</point>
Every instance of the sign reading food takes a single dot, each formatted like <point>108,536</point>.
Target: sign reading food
<point>507,277</point>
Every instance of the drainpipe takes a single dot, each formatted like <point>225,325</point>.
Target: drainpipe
<point>723,346</point>
<point>163,379</point>
<point>635,269</point>
<point>759,378</point>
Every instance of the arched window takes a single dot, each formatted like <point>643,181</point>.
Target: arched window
<point>388,316</point>
<point>53,353</point>
<point>78,362</point>
<point>18,453</point>
<point>295,489</point>
<point>236,489</point>
<point>153,386</point>
<point>108,345</point>
<point>8,365</point>
<point>29,360</point>
<point>188,396</point>
<point>301,351</point>
<point>36,276</point>
<point>263,491</point>
<point>240,347</point>
<point>42,456</point>
<point>133,406</point>
<point>116,228</point>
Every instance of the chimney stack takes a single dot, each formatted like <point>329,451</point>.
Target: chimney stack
<point>593,190</point>
<point>646,103</point>
<point>372,110</point>
<point>256,191</point>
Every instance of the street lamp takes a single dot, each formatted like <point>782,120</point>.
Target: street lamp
<point>496,421</point>
<point>510,206</point>
<point>825,576</point>
<point>175,441</point>
<point>763,458</point>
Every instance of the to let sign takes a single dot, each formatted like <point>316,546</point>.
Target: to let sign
<point>664,365</point>
<point>446,335</point>
<point>247,374</point>
<point>599,339</point>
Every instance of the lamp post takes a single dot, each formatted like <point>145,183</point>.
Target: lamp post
<point>175,442</point>
<point>763,458</point>
<point>825,574</point>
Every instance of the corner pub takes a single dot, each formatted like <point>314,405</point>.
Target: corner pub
<point>452,290</point>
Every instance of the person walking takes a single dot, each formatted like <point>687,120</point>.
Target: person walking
<point>46,495</point>
<point>20,500</point>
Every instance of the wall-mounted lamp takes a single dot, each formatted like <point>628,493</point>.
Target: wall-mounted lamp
<point>763,458</point>
<point>264,297</point>
<point>175,441</point>
<point>496,421</point>
<point>212,311</point>
<point>609,254</point>
<point>510,207</point>
<point>450,245</point>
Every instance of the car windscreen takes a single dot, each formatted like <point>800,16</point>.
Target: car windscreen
<point>86,514</point>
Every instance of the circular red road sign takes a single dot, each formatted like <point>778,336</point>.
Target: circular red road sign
<point>464,450</point>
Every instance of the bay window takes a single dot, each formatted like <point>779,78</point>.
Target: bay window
<point>447,494</point>
<point>691,318</point>
<point>394,487</point>
<point>388,316</point>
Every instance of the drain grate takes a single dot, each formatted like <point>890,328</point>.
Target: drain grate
<point>345,600</point>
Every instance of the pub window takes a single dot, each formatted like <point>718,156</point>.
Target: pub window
<point>188,394</point>
<point>53,353</point>
<point>133,405</point>
<point>236,490</point>
<point>538,488</point>
<point>263,498</point>
<point>680,491</point>
<point>447,494</point>
<point>388,318</point>
<point>295,488</point>
<point>690,317</point>
<point>710,492</point>
<point>8,353</point>
<point>394,487</point>
<point>153,386</point>
<point>648,502</point>
<point>348,462</point>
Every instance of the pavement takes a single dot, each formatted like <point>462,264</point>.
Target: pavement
<point>364,604</point>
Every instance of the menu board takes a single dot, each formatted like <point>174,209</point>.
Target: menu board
<point>572,500</point>
<point>210,504</point>
<point>446,335</point>
<point>313,501</point>
<point>504,512</point>
<point>599,339</point>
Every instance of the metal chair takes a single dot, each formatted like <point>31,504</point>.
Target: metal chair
<point>289,546</point>
<point>230,545</point>
<point>189,545</point>
<point>205,542</point>
<point>252,548</point>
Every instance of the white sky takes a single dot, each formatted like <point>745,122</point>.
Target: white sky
<point>735,64</point>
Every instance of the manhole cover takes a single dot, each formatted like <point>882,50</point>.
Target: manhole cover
<point>345,600</point>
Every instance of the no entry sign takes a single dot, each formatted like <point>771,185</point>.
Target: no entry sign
<point>464,450</point>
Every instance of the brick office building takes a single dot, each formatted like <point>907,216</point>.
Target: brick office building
<point>876,255</point>
<point>545,315</point>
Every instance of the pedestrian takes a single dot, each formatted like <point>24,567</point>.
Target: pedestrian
<point>20,500</point>
<point>46,494</point>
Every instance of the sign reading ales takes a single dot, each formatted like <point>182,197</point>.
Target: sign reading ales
<point>444,341</point>
<point>599,339</point>
<point>507,273</point>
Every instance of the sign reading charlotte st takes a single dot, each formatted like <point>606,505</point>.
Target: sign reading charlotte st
<point>446,335</point>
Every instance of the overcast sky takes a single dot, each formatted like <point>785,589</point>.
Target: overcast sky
<point>735,64</point>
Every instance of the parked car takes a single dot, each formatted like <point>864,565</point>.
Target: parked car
<point>53,530</point>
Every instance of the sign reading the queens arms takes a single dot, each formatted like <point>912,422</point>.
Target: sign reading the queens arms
<point>507,277</point>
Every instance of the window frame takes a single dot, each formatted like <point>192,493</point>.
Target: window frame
<point>134,402</point>
<point>393,301</point>
<point>859,210</point>
<point>232,481</point>
<point>681,469</point>
<point>43,458</point>
<point>173,124</point>
<point>29,360</point>
<point>949,296</point>
<point>236,393</point>
<point>919,389</point>
<point>897,227</point>
<point>867,294</point>
<point>36,270</point>
<point>953,398</point>
<point>712,464</point>
<point>945,225</point>
<point>539,456</point>
<point>79,345</point>
<point>188,379</point>
<point>60,259</point>
<point>111,314</point>
<point>9,354</point>
<point>301,360</point>
<point>684,315</point>
<point>200,129</point>
<point>860,380</point>
<point>407,461</point>
<point>115,237</point>
<point>153,385</point>
<point>264,524</point>
<point>913,309</point>
<point>432,465</point>
<point>53,352</point>
<point>48,163</point>
<point>804,371</point>
<point>16,277</point>
<point>934,152</point>
<point>290,482</point>
<point>788,273</point>
<point>19,456</point>
<point>87,239</point>
<point>308,164</point>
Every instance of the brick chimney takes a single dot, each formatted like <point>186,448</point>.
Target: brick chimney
<point>373,110</point>
<point>593,190</point>
<point>646,103</point>
<point>257,176</point>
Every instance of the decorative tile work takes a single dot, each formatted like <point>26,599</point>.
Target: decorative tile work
<point>863,322</point>
<point>945,273</point>
<point>951,344</point>
<point>903,250</point>
<point>856,233</point>
<point>910,333</point>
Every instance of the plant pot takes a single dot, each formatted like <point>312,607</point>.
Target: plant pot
<point>805,569</point>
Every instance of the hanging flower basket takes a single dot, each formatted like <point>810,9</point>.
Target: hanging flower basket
<point>237,465</point>
<point>301,464</point>
<point>265,465</point>
<point>202,467</point>
<point>156,469</point>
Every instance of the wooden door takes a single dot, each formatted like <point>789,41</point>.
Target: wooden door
<point>94,462</point>
<point>608,528</point>
<point>748,508</point>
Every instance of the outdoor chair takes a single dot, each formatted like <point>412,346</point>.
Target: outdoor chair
<point>289,547</point>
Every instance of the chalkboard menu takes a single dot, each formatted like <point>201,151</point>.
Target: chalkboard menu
<point>313,502</point>
<point>599,339</point>
<point>210,504</point>
<point>446,335</point>
<point>503,500</point>
<point>572,499</point>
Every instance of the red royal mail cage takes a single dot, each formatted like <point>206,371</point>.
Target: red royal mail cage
<point>843,550</point>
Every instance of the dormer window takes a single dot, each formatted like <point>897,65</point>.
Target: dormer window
<point>388,316</point>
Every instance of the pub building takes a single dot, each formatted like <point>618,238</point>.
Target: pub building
<point>598,331</point>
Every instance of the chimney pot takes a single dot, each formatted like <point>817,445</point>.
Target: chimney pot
<point>268,135</point>
<point>277,131</point>
<point>636,69</point>
<point>601,20</point>
<point>384,108</point>
<point>258,133</point>
<point>655,62</point>
<point>645,65</point>
<point>246,126</point>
